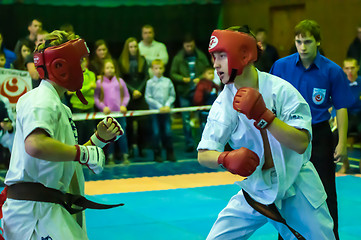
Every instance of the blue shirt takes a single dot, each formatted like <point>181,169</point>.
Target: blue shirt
<point>323,84</point>
<point>356,92</point>
<point>10,57</point>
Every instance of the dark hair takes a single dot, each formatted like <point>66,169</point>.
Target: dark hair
<point>97,44</point>
<point>246,29</point>
<point>35,19</point>
<point>188,38</point>
<point>308,26</point>
<point>19,63</point>
<point>148,26</point>
<point>67,27</point>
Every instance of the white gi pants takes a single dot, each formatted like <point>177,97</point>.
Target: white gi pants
<point>29,220</point>
<point>238,220</point>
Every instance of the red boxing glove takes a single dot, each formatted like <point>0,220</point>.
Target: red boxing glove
<point>250,102</point>
<point>241,161</point>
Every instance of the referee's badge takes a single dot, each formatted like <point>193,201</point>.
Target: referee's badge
<point>318,95</point>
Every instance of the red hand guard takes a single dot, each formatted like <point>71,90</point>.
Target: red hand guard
<point>250,102</point>
<point>241,161</point>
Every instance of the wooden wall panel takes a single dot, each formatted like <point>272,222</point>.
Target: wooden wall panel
<point>338,20</point>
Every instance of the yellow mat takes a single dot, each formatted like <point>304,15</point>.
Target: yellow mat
<point>160,183</point>
<point>164,182</point>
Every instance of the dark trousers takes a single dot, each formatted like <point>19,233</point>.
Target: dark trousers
<point>323,160</point>
<point>162,132</point>
<point>85,128</point>
<point>139,135</point>
<point>186,119</point>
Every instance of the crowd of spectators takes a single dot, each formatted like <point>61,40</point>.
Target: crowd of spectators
<point>131,81</point>
<point>127,82</point>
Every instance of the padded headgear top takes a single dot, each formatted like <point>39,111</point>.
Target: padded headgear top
<point>61,64</point>
<point>241,49</point>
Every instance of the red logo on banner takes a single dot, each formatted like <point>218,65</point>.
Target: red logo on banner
<point>13,88</point>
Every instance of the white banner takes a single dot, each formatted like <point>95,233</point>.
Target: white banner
<point>14,84</point>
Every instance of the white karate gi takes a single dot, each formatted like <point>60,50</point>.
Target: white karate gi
<point>42,108</point>
<point>292,184</point>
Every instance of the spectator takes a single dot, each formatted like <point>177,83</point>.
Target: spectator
<point>269,54</point>
<point>351,67</point>
<point>354,50</point>
<point>34,27</point>
<point>2,59</point>
<point>10,56</point>
<point>205,94</point>
<point>187,66</point>
<point>29,60</point>
<point>7,131</point>
<point>85,127</point>
<point>323,84</point>
<point>100,54</point>
<point>25,49</point>
<point>160,94</point>
<point>7,123</point>
<point>111,95</point>
<point>134,71</point>
<point>67,27</point>
<point>150,48</point>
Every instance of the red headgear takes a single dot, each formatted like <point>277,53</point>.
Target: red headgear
<point>241,49</point>
<point>61,64</point>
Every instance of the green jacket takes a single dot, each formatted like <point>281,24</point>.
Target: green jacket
<point>87,90</point>
<point>180,69</point>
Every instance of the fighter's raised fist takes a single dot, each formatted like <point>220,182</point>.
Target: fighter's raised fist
<point>250,102</point>
<point>108,130</point>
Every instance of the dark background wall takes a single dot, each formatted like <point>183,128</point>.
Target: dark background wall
<point>338,20</point>
<point>115,24</point>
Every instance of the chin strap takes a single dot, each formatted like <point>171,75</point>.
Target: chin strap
<point>232,76</point>
<point>81,97</point>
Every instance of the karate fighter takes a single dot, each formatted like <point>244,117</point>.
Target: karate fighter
<point>46,161</point>
<point>268,124</point>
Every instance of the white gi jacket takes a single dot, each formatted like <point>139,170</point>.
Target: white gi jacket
<point>41,108</point>
<point>225,124</point>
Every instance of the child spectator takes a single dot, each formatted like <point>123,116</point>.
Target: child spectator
<point>86,127</point>
<point>160,94</point>
<point>205,94</point>
<point>111,95</point>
